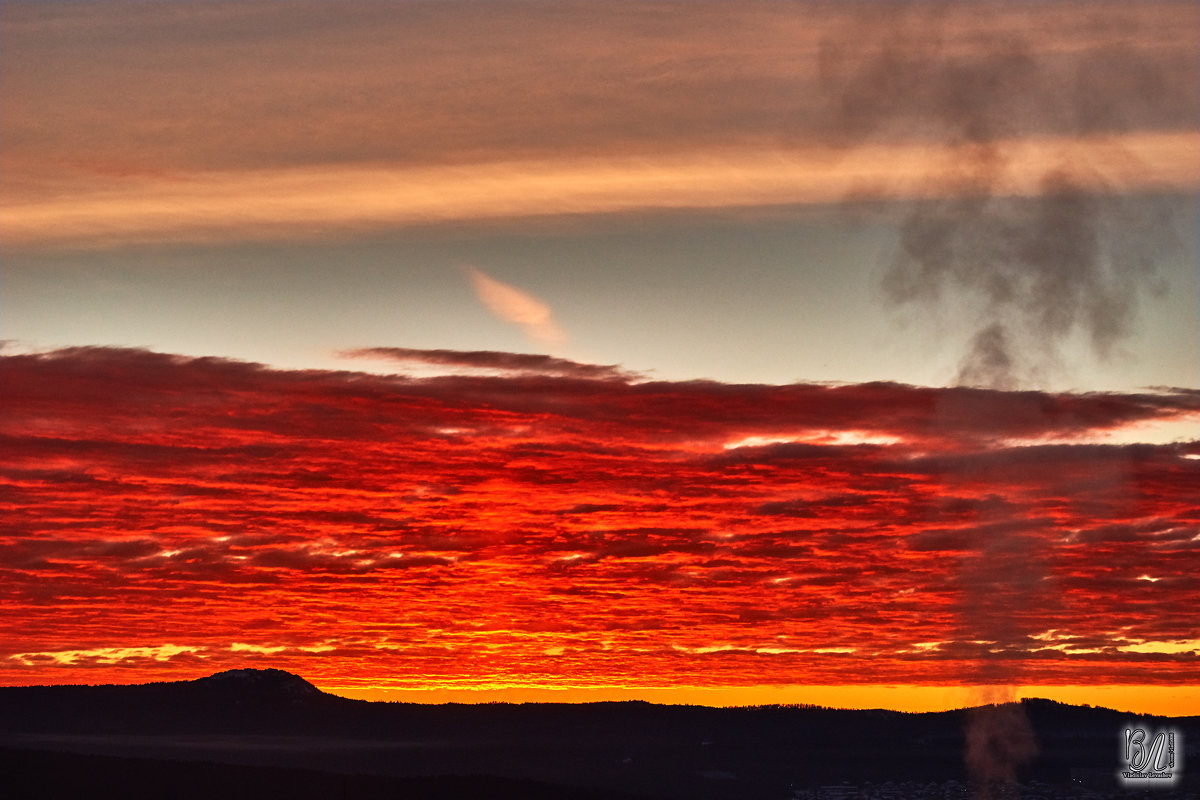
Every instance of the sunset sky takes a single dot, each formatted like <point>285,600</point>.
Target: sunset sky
<point>842,353</point>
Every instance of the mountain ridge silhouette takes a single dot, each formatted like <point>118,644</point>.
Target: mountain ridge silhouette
<point>270,719</point>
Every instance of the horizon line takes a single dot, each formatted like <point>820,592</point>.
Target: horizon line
<point>1170,701</point>
<point>1137,699</point>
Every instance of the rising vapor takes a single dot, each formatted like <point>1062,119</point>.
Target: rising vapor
<point>1033,271</point>
<point>1068,257</point>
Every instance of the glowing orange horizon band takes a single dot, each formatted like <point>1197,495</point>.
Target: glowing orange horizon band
<point>1174,701</point>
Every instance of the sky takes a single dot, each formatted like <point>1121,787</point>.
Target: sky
<point>844,353</point>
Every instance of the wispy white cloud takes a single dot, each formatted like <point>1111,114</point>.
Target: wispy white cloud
<point>518,307</point>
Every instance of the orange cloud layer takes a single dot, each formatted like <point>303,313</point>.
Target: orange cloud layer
<point>165,516</point>
<point>128,88</point>
<point>323,201</point>
<point>131,122</point>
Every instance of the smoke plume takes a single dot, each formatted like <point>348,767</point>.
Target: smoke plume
<point>999,739</point>
<point>1032,272</point>
<point>1035,268</point>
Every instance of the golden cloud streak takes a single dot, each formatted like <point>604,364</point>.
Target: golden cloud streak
<point>322,201</point>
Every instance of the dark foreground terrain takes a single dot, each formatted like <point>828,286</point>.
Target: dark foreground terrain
<point>266,733</point>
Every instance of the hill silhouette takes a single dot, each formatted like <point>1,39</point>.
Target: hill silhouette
<point>240,728</point>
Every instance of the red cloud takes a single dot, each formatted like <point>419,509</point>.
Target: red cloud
<point>561,524</point>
